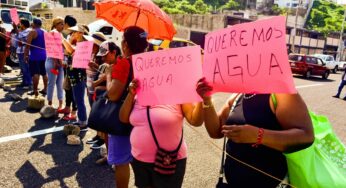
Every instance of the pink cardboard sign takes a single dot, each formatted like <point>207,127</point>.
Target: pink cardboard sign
<point>168,76</point>
<point>14,15</point>
<point>82,54</point>
<point>249,58</point>
<point>53,42</point>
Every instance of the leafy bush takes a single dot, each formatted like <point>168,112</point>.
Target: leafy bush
<point>325,17</point>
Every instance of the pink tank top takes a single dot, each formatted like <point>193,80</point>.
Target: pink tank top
<point>167,122</point>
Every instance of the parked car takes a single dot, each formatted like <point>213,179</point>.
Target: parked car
<point>5,16</point>
<point>308,65</point>
<point>331,64</point>
<point>342,65</point>
<point>174,43</point>
<point>110,32</point>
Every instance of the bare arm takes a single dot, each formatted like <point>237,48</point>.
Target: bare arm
<point>32,35</point>
<point>100,88</point>
<point>193,113</point>
<point>292,115</point>
<point>114,87</point>
<point>213,121</point>
<point>3,32</point>
<point>102,78</point>
<point>126,108</point>
<point>68,47</point>
<point>15,28</point>
<point>294,118</point>
<point>93,66</point>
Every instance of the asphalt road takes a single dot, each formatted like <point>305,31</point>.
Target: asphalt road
<point>47,161</point>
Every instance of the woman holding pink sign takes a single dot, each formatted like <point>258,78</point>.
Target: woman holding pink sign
<point>119,76</point>
<point>55,69</point>
<point>77,76</point>
<point>161,127</point>
<point>258,133</point>
<point>158,147</point>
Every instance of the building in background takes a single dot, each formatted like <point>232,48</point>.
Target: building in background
<point>292,3</point>
<point>264,4</point>
<point>247,4</point>
<point>49,9</point>
<point>84,4</point>
<point>20,4</point>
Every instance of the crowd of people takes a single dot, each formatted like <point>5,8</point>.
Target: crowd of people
<point>257,130</point>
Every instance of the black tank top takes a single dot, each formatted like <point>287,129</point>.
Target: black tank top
<point>254,111</point>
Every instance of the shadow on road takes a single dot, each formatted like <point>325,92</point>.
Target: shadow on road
<point>29,176</point>
<point>17,105</point>
<point>41,124</point>
<point>67,163</point>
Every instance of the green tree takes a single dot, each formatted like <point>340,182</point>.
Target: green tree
<point>170,7</point>
<point>201,7</point>
<point>172,10</point>
<point>164,3</point>
<point>231,5</point>
<point>216,3</point>
<point>276,10</point>
<point>183,6</point>
<point>186,7</point>
<point>325,17</point>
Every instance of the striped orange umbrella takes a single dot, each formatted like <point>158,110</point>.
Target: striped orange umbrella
<point>142,13</point>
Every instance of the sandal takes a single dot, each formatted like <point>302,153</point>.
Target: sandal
<point>70,117</point>
<point>43,92</point>
<point>101,161</point>
<point>33,93</point>
<point>63,111</point>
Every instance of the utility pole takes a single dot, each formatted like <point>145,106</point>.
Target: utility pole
<point>286,17</point>
<point>294,32</point>
<point>340,46</point>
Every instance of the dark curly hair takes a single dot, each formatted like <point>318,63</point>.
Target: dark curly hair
<point>25,22</point>
<point>70,20</point>
<point>136,39</point>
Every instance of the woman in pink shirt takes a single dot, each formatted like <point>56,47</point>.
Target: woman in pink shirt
<point>166,123</point>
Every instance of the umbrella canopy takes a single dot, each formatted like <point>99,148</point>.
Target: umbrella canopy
<point>142,13</point>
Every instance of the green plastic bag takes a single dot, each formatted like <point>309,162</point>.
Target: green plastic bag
<point>323,164</point>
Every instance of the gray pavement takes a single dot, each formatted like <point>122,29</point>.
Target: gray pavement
<point>46,160</point>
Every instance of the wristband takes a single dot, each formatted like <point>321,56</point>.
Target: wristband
<point>259,138</point>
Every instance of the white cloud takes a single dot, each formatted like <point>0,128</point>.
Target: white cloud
<point>341,2</point>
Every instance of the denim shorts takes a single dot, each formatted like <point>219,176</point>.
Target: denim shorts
<point>119,150</point>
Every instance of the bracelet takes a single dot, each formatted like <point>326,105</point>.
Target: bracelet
<point>207,105</point>
<point>259,138</point>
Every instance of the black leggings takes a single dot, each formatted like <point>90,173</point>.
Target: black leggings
<point>69,99</point>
